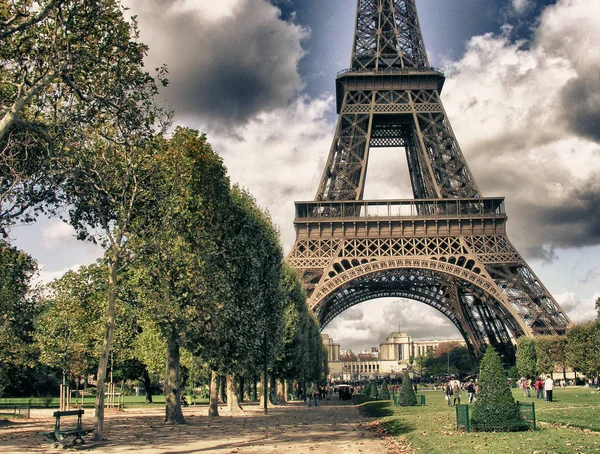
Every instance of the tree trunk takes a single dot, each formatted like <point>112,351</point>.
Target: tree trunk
<point>173,413</point>
<point>213,406</point>
<point>106,344</point>
<point>233,404</point>
<point>241,389</point>
<point>255,397</point>
<point>264,395</point>
<point>272,387</point>
<point>222,389</point>
<point>280,392</point>
<point>147,385</point>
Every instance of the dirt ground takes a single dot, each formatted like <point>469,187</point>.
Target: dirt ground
<point>335,427</point>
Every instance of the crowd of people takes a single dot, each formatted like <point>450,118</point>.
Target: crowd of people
<point>452,391</point>
<point>544,387</point>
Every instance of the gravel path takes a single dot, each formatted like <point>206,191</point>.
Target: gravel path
<point>334,427</point>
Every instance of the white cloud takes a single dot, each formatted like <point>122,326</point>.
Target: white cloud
<point>45,277</point>
<point>279,157</point>
<point>208,9</point>
<point>368,324</point>
<point>57,234</point>
<point>521,6</point>
<point>528,131</point>
<point>578,309</point>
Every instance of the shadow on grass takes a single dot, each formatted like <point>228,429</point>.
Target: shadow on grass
<point>396,427</point>
<point>377,409</point>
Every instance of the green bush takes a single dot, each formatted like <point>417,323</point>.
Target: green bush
<point>407,393</point>
<point>495,409</point>
<point>384,394</point>
<point>373,390</point>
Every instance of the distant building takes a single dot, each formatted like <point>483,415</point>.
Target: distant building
<point>400,347</point>
<point>393,357</point>
<point>333,350</point>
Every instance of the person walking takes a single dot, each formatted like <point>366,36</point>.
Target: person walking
<point>549,387</point>
<point>470,390</point>
<point>456,391</point>
<point>316,395</point>
<point>539,388</point>
<point>448,393</point>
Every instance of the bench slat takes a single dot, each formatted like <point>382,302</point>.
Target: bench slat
<point>60,414</point>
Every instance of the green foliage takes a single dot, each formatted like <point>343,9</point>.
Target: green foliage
<point>495,409</point>
<point>67,65</point>
<point>150,347</point>
<point>526,357</point>
<point>384,393</point>
<point>458,358</point>
<point>70,331</point>
<point>544,353</point>
<point>582,350</point>
<point>18,310</point>
<point>373,390</point>
<point>300,334</point>
<point>407,393</point>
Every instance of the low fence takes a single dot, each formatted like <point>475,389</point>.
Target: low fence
<point>463,421</point>
<point>527,411</point>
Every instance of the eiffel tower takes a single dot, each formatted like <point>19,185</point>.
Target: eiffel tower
<point>447,247</point>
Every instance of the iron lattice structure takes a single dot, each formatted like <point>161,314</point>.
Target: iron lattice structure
<point>448,247</point>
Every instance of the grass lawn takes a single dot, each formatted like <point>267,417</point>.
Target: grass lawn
<point>431,429</point>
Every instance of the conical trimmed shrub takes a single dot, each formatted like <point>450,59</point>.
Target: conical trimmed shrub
<point>384,393</point>
<point>373,390</point>
<point>407,393</point>
<point>495,409</point>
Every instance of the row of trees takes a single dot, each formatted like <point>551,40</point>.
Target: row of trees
<point>578,349</point>
<point>449,358</point>
<point>191,263</point>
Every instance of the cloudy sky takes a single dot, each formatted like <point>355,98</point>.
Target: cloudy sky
<point>523,96</point>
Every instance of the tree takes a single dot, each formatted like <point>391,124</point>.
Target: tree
<point>558,346</point>
<point>543,350</point>
<point>349,357</point>
<point>69,333</point>
<point>177,241</point>
<point>581,351</point>
<point>384,394</point>
<point>104,189</point>
<point>526,357</point>
<point>287,364</point>
<point>373,390</point>
<point>495,408</point>
<point>248,326</point>
<point>64,63</point>
<point>407,393</point>
<point>18,310</point>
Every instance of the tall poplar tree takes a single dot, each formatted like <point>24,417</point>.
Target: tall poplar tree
<point>176,241</point>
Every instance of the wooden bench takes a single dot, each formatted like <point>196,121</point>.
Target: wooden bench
<point>58,435</point>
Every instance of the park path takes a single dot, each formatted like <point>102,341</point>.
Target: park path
<point>335,427</point>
